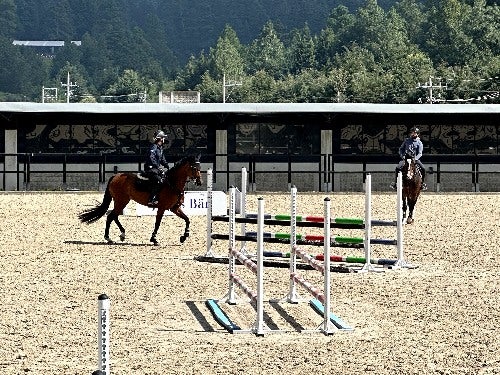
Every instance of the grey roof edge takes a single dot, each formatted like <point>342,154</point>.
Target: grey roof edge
<point>246,108</point>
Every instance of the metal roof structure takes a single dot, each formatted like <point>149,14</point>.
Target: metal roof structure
<point>248,108</point>
<point>44,43</point>
<point>17,114</point>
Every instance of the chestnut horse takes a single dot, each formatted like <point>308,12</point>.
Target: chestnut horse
<point>412,184</point>
<point>124,187</point>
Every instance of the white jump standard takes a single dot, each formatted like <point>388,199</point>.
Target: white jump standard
<point>256,296</point>
<point>330,323</point>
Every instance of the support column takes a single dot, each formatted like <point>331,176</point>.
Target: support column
<point>11,160</point>
<point>221,160</point>
<point>326,149</point>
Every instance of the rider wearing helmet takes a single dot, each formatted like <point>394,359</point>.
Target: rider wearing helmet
<point>156,166</point>
<point>414,144</point>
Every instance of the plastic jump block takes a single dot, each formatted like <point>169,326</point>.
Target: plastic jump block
<point>338,322</point>
<point>221,317</point>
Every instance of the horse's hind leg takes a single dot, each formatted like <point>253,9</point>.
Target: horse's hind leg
<point>120,226</point>
<point>113,216</point>
<point>109,219</point>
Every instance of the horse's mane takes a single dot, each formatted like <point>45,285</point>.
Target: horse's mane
<point>191,159</point>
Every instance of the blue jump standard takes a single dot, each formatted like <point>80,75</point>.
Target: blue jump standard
<point>220,316</point>
<point>338,322</point>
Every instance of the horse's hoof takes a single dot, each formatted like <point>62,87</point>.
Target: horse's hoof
<point>154,241</point>
<point>183,238</point>
<point>409,221</point>
<point>122,236</point>
<point>108,240</point>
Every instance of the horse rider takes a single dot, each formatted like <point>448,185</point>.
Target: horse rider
<point>414,145</point>
<point>156,166</point>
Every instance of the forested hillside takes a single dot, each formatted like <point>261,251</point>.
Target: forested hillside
<point>188,25</point>
<point>279,50</point>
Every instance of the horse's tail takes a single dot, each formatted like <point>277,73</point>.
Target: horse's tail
<point>93,214</point>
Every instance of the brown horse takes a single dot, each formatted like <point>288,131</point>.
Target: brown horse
<point>124,187</point>
<point>412,184</point>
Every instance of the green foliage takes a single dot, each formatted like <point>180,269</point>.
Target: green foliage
<point>267,52</point>
<point>129,88</point>
<point>227,55</point>
<point>280,51</point>
<point>8,18</point>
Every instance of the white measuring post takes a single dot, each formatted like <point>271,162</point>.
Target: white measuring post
<point>231,295</point>
<point>368,225</point>
<point>327,325</point>
<point>103,305</point>
<point>293,297</point>
<point>260,327</point>
<point>209,211</point>
<point>243,205</point>
<point>400,262</point>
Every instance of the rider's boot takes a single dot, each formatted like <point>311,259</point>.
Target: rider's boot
<point>394,183</point>
<point>153,200</point>
<point>424,185</point>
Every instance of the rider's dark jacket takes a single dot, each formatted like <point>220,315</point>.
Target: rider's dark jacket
<point>412,144</point>
<point>155,158</point>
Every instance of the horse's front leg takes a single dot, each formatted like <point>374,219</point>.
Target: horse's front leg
<point>178,211</point>
<point>159,216</point>
<point>411,206</point>
<point>405,207</point>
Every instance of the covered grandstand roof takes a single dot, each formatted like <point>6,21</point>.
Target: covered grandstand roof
<point>19,114</point>
<point>249,108</point>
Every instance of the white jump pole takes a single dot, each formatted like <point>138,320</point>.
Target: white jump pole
<point>260,328</point>
<point>231,296</point>
<point>209,211</point>
<point>368,225</point>
<point>243,204</point>
<point>103,305</point>
<point>257,296</point>
<point>400,263</point>
<point>399,216</point>
<point>327,325</point>
<point>293,297</point>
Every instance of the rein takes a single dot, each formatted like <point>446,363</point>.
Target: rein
<point>180,192</point>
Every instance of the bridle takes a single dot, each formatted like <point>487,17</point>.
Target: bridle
<point>409,172</point>
<point>195,169</point>
<point>410,165</point>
